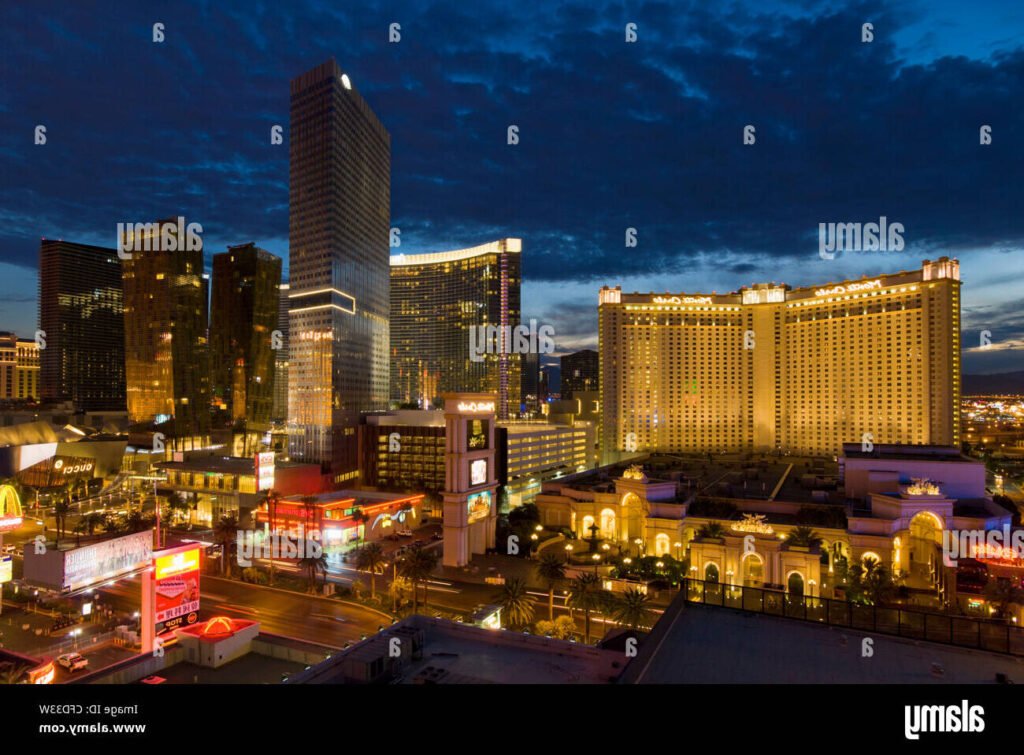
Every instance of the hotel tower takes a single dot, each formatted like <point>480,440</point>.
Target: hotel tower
<point>436,301</point>
<point>339,222</point>
<point>802,370</point>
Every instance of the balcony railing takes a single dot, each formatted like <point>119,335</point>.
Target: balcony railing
<point>962,631</point>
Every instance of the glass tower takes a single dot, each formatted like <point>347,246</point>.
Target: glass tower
<point>436,299</point>
<point>81,311</point>
<point>339,222</point>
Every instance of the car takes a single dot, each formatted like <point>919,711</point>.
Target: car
<point>153,680</point>
<point>437,536</point>
<point>73,661</point>
<point>405,533</point>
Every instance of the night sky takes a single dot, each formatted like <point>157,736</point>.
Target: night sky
<point>612,135</point>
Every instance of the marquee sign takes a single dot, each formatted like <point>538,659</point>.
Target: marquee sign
<point>849,288</point>
<point>10,508</point>
<point>476,407</point>
<point>682,300</point>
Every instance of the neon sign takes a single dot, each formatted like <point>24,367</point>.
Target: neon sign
<point>849,288</point>
<point>682,299</point>
<point>475,406</point>
<point>10,508</point>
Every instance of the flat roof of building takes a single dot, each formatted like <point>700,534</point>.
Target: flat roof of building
<point>456,653</point>
<point>908,452</point>
<point>696,644</point>
<point>223,464</point>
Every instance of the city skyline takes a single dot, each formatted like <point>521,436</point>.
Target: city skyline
<point>714,230</point>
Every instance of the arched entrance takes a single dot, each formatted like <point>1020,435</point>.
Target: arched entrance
<point>662,545</point>
<point>753,570</point>
<point>795,584</point>
<point>711,573</point>
<point>924,548</point>
<point>608,531</point>
<point>588,522</point>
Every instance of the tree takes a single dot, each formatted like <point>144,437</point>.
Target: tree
<point>515,602</point>
<point>136,521</point>
<point>804,537</point>
<point>585,593</point>
<point>869,582</point>
<point>225,532</point>
<point>561,628</point>
<point>417,566</point>
<point>272,498</point>
<point>631,609</point>
<point>1001,593</point>
<point>551,569</point>
<point>309,509</point>
<point>60,514</point>
<point>711,530</point>
<point>11,673</point>
<point>399,591</point>
<point>360,518</point>
<point>370,557</point>
<point>314,562</point>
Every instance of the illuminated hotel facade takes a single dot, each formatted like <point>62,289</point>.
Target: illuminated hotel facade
<point>339,224</point>
<point>436,300</point>
<point>770,367</point>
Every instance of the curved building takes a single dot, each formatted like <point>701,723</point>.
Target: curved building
<point>440,302</point>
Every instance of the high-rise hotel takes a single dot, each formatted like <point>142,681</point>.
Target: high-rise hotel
<point>440,303</point>
<point>803,370</point>
<point>339,224</point>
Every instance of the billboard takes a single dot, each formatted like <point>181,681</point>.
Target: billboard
<point>478,472</point>
<point>176,577</point>
<point>108,559</point>
<point>265,470</point>
<point>478,506</point>
<point>6,568</point>
<point>10,508</point>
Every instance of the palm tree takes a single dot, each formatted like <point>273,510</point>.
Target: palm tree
<point>225,532</point>
<point>585,593</point>
<point>272,497</point>
<point>417,566</point>
<point>60,513</point>
<point>805,537</point>
<point>711,530</point>
<point>308,511</point>
<point>551,569</point>
<point>515,602</point>
<point>12,673</point>
<point>136,521</point>
<point>313,564</point>
<point>631,609</point>
<point>1001,593</point>
<point>360,517</point>
<point>370,558</point>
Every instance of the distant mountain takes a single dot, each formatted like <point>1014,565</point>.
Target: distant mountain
<point>993,385</point>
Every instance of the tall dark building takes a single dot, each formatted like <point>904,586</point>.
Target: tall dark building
<point>81,312</point>
<point>280,408</point>
<point>531,381</point>
<point>579,372</point>
<point>166,349</point>
<point>243,317</point>
<point>339,223</point>
<point>440,304</point>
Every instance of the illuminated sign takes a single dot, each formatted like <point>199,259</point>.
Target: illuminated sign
<point>73,466</point>
<point>6,569</point>
<point>682,299</point>
<point>753,523</point>
<point>849,288</point>
<point>478,472</point>
<point>111,558</point>
<point>10,508</point>
<point>265,470</point>
<point>177,584</point>
<point>476,406</point>
<point>478,506</point>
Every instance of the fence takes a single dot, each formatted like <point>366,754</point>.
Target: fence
<point>962,631</point>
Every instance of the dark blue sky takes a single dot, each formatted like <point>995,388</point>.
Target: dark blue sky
<point>612,135</point>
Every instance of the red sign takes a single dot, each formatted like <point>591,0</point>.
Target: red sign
<point>177,584</point>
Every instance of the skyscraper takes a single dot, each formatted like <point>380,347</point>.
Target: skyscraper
<point>579,372</point>
<point>81,313</point>
<point>243,316</point>
<point>871,361</point>
<point>165,331</point>
<point>440,303</point>
<point>339,223</point>
<point>280,410</point>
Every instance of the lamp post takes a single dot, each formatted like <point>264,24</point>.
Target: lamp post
<point>568,552</point>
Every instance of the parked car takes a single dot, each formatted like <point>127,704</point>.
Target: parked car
<point>405,533</point>
<point>153,680</point>
<point>73,661</point>
<point>437,536</point>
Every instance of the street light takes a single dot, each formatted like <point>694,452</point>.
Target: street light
<point>568,552</point>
